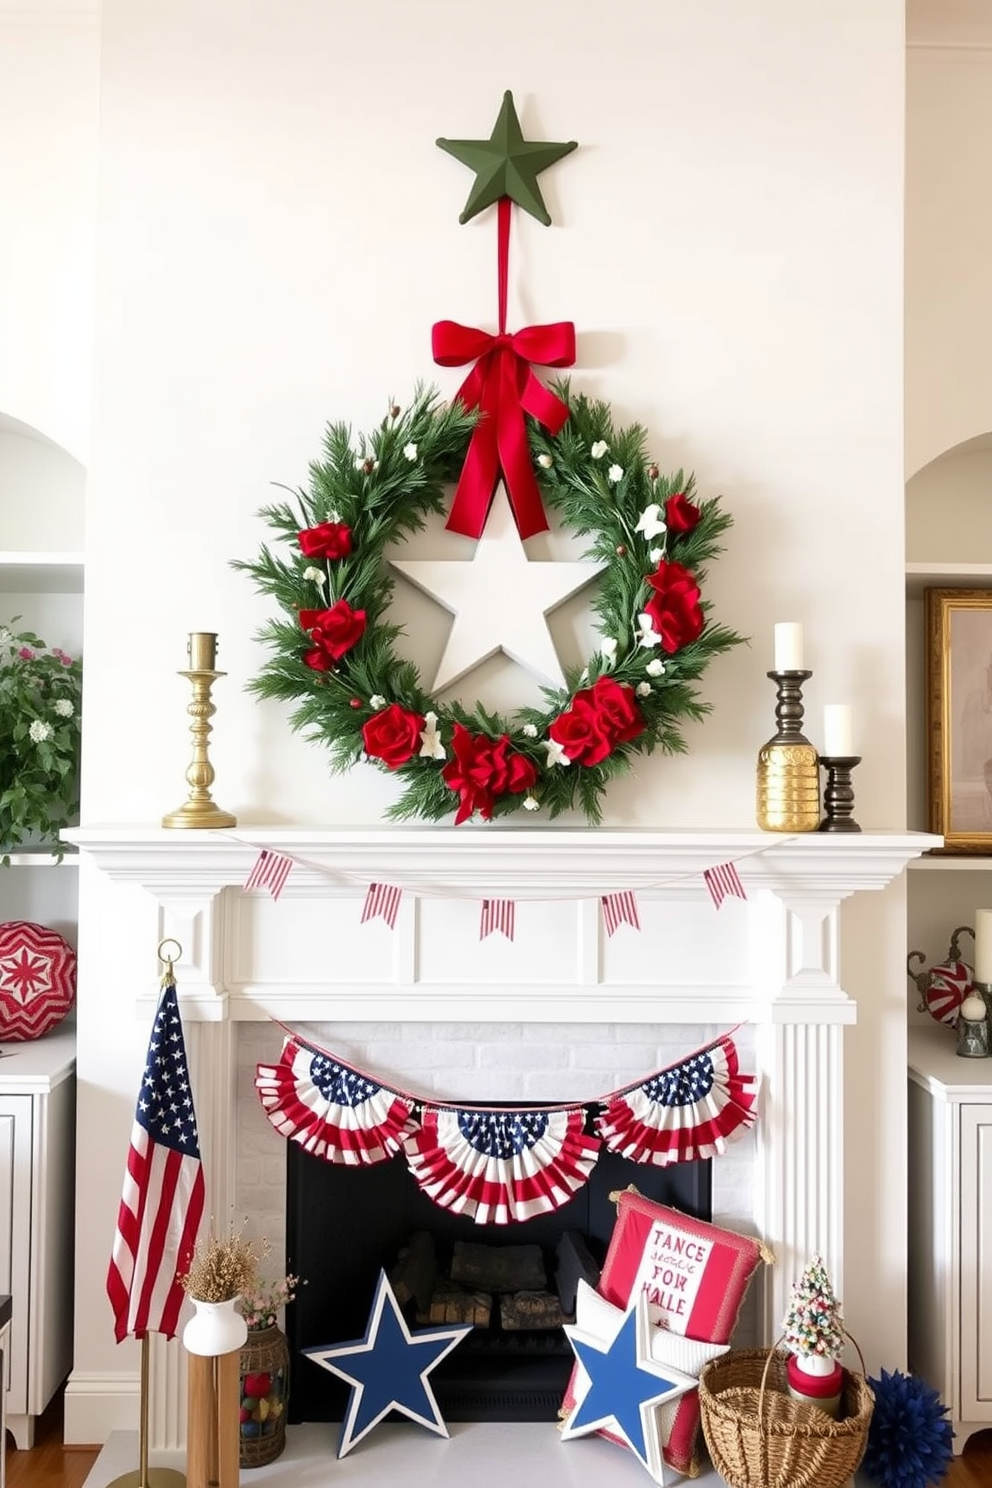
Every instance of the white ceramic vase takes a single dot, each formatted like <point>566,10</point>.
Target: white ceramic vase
<point>214,1328</point>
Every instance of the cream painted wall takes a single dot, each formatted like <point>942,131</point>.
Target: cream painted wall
<point>49,63</point>
<point>277,232</point>
<point>948,231</point>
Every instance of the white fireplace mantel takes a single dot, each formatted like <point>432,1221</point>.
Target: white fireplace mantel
<point>771,959</point>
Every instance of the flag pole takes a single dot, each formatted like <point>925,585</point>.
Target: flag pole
<point>144,1476</point>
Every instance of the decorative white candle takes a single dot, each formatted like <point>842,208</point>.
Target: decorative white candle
<point>983,945</point>
<point>788,647</point>
<point>202,650</point>
<point>838,739</point>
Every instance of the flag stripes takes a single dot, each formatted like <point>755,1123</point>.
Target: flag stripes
<point>270,871</point>
<point>497,914</point>
<point>163,1192</point>
<point>723,880</point>
<point>384,900</point>
<point>620,909</point>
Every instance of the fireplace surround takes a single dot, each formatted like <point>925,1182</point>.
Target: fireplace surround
<point>563,1001</point>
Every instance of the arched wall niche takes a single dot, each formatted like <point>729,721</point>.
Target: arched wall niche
<point>42,492</point>
<point>949,506</point>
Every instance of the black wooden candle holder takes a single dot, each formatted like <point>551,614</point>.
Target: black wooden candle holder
<point>838,794</point>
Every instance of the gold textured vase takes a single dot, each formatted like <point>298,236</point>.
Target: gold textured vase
<point>788,796</point>
<point>788,787</point>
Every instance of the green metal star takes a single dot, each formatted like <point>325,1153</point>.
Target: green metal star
<point>507,165</point>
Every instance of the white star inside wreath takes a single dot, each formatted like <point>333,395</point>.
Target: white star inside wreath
<point>500,601</point>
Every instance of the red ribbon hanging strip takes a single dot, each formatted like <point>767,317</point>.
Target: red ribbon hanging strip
<point>503,387</point>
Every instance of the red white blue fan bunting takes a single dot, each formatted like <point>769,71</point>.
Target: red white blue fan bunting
<point>334,1112</point>
<point>501,1167</point>
<point>688,1111</point>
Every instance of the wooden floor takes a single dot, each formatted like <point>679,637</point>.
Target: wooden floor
<point>51,1465</point>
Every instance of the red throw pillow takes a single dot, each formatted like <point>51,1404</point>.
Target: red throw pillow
<point>37,980</point>
<point>696,1276</point>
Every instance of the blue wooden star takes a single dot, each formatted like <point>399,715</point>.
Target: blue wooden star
<point>620,1385</point>
<point>388,1369</point>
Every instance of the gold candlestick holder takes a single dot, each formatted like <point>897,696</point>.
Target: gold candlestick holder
<point>788,794</point>
<point>199,810</point>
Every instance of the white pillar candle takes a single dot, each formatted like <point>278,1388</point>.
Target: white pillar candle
<point>788,647</point>
<point>983,945</point>
<point>838,739</point>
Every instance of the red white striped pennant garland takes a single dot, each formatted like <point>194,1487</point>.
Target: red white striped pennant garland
<point>721,881</point>
<point>270,872</point>
<point>384,900</point>
<point>498,914</point>
<point>620,909</point>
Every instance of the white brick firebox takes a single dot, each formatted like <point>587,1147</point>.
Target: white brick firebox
<point>562,1012</point>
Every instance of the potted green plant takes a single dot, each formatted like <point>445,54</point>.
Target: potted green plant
<point>40,737</point>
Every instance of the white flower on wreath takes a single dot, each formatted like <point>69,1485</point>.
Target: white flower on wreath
<point>40,731</point>
<point>656,554</point>
<point>648,635</point>
<point>377,700</point>
<point>655,668</point>
<point>556,755</point>
<point>529,730</point>
<point>531,803</point>
<point>410,451</point>
<point>430,740</point>
<point>315,575</point>
<point>545,462</point>
<point>608,649</point>
<point>651,523</point>
<point>644,689</point>
<point>614,474</point>
<point>64,708</point>
<point>599,449</point>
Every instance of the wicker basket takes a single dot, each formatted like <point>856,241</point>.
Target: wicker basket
<point>759,1437</point>
<point>264,1396</point>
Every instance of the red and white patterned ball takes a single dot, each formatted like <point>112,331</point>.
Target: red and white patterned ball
<point>37,980</point>
<point>947,989</point>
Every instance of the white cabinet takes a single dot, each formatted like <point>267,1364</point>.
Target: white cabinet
<point>37,1184</point>
<point>950,1221</point>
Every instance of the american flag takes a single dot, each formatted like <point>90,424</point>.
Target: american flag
<point>620,909</point>
<point>497,914</point>
<point>270,871</point>
<point>723,880</point>
<point>162,1201</point>
<point>382,899</point>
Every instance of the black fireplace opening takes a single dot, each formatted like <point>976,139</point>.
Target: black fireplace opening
<point>515,1282</point>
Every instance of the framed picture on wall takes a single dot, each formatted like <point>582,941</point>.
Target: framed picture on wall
<point>959,716</point>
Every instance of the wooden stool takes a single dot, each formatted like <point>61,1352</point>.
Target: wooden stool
<point>213,1398</point>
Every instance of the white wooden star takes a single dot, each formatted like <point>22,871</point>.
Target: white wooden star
<point>500,601</point>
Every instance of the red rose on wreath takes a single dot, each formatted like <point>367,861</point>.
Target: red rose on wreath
<point>393,735</point>
<point>333,632</point>
<point>483,769</point>
<point>329,540</point>
<point>601,716</point>
<point>674,606</point>
<point>681,514</point>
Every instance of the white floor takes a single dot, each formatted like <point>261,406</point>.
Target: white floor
<point>483,1454</point>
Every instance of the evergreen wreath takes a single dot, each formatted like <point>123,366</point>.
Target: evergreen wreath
<point>333,652</point>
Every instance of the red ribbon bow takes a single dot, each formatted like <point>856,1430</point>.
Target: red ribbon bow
<point>503,387</point>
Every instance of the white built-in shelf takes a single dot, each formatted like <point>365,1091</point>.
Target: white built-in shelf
<point>952,862</point>
<point>920,576</point>
<point>41,573</point>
